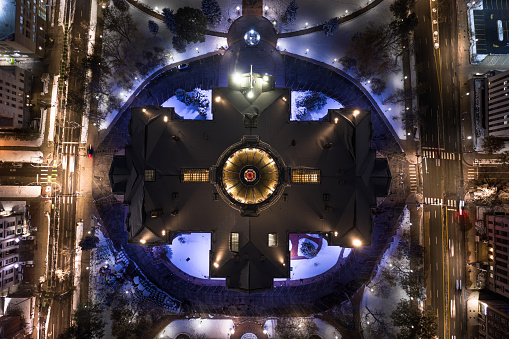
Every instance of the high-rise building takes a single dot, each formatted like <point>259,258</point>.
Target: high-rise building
<point>15,95</point>
<point>497,102</point>
<point>22,29</point>
<point>11,229</point>
<point>498,228</point>
<point>493,316</point>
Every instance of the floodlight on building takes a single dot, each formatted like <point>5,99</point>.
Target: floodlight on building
<point>336,233</point>
<point>144,110</point>
<point>237,78</point>
<point>468,93</point>
<point>469,137</point>
<point>250,94</point>
<point>218,99</point>
<point>284,99</point>
<point>216,265</point>
<point>356,243</point>
<point>165,118</point>
<point>16,265</point>
<point>16,240</point>
<point>406,77</point>
<point>40,48</point>
<point>143,241</point>
<point>164,232</point>
<point>336,119</point>
<point>265,78</point>
<point>87,268</point>
<point>356,113</point>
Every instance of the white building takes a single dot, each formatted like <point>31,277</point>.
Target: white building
<point>11,229</point>
<point>15,95</point>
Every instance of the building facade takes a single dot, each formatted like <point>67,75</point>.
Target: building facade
<point>493,316</point>
<point>11,229</point>
<point>22,29</point>
<point>15,95</point>
<point>497,103</point>
<point>498,243</point>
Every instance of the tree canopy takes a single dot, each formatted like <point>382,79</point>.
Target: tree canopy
<point>291,328</point>
<point>212,11</point>
<point>492,144</point>
<point>191,24</point>
<point>414,322</point>
<point>86,323</point>
<point>89,242</point>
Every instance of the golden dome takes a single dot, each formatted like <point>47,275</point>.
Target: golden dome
<point>250,176</point>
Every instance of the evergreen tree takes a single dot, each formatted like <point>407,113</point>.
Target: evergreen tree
<point>378,86</point>
<point>121,5</point>
<point>191,24</point>
<point>86,323</point>
<point>169,20</point>
<point>153,27</point>
<point>89,242</point>
<point>178,44</point>
<point>492,144</point>
<point>308,249</point>
<point>291,13</point>
<point>212,11</point>
<point>331,26</point>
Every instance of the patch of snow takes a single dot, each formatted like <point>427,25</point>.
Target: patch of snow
<point>326,258</point>
<point>312,115</point>
<point>189,112</point>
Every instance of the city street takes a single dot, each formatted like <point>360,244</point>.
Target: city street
<point>441,167</point>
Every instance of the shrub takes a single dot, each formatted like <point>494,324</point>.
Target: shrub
<point>312,101</point>
<point>308,249</point>
<point>331,26</point>
<point>291,13</point>
<point>212,11</point>
<point>153,27</point>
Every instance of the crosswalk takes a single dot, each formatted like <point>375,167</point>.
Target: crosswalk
<point>439,201</point>
<point>439,154</point>
<point>412,174</point>
<point>472,173</point>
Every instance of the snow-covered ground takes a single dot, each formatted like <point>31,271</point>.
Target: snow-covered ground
<point>324,261</point>
<point>397,293</point>
<point>327,49</point>
<point>191,255</point>
<point>312,115</point>
<point>209,328</point>
<point>188,112</point>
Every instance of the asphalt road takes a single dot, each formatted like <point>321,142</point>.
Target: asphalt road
<point>441,167</point>
<point>67,155</point>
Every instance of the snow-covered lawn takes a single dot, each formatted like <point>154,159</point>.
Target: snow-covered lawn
<point>191,254</point>
<point>312,115</point>
<point>189,112</point>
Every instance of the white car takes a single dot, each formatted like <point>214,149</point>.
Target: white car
<point>458,284</point>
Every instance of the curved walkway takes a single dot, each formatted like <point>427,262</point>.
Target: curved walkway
<point>313,29</point>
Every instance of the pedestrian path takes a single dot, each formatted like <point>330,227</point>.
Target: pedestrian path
<point>412,174</point>
<point>472,173</point>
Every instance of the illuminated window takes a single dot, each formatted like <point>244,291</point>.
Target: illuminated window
<point>150,175</point>
<point>194,175</point>
<point>306,176</point>
<point>272,241</point>
<point>234,242</point>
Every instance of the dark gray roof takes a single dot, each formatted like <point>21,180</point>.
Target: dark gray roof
<point>339,206</point>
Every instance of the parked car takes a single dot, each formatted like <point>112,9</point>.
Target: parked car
<point>182,66</point>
